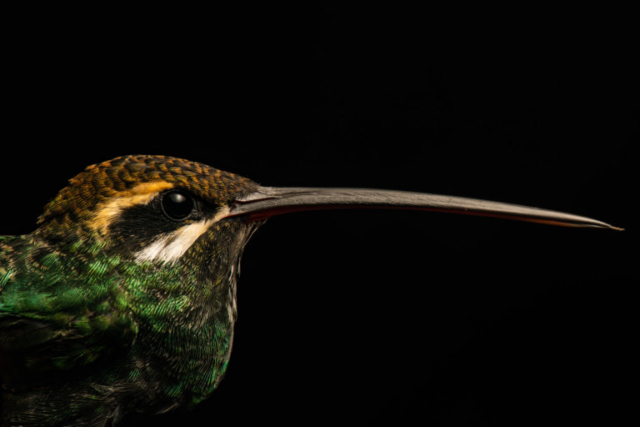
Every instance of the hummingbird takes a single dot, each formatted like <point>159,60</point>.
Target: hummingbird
<point>123,299</point>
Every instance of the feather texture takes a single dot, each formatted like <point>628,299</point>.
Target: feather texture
<point>104,312</point>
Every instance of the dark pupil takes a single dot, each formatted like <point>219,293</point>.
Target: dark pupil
<point>177,205</point>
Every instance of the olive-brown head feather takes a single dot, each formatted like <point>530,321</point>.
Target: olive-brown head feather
<point>96,196</point>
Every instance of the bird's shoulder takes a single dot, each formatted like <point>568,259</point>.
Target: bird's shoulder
<point>58,310</point>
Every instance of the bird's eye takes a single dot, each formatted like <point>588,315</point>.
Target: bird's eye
<point>177,205</point>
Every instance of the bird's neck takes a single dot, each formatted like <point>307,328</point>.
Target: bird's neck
<point>186,312</point>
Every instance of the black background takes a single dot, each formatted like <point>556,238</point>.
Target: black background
<point>367,317</point>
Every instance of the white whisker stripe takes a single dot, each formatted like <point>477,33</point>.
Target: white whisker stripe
<point>171,246</point>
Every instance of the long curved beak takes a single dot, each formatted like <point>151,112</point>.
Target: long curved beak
<point>271,201</point>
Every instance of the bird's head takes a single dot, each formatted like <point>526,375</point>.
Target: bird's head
<point>144,207</point>
<point>155,208</point>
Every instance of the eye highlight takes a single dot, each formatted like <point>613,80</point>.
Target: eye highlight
<point>177,205</point>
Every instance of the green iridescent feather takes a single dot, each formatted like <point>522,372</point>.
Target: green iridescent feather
<point>62,311</point>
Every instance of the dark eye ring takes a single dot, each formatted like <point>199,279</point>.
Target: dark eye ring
<point>177,205</point>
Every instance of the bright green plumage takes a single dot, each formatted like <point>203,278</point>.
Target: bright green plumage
<point>69,297</point>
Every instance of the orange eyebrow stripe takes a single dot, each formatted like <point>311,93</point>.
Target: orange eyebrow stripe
<point>109,209</point>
